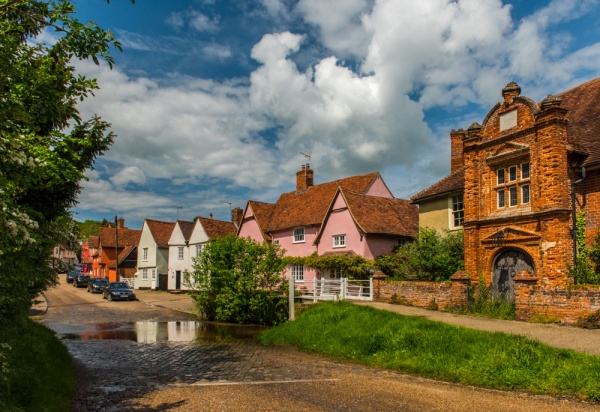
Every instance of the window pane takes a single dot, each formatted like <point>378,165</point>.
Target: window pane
<point>299,234</point>
<point>500,176</point>
<point>501,200</point>
<point>458,208</point>
<point>513,196</point>
<point>525,171</point>
<point>512,173</point>
<point>525,194</point>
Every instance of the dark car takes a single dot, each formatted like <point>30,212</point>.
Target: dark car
<point>118,291</point>
<point>72,275</point>
<point>81,281</point>
<point>97,285</point>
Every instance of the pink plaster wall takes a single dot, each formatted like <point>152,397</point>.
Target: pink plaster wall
<point>378,188</point>
<point>250,228</point>
<point>379,245</point>
<point>306,248</point>
<point>340,222</point>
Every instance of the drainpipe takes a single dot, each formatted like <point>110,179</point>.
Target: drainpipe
<point>574,206</point>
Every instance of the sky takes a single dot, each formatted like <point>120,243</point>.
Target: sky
<point>218,102</point>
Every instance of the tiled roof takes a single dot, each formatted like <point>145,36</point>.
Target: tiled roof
<point>186,228</point>
<point>583,103</point>
<point>263,212</point>
<point>451,183</point>
<point>217,228</point>
<point>309,207</point>
<point>93,242</point>
<point>382,215</point>
<point>122,255</point>
<point>126,236</point>
<point>161,231</point>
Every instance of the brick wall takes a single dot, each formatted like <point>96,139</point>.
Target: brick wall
<point>564,304</point>
<point>421,294</point>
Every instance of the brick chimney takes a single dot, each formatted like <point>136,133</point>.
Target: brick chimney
<point>236,216</point>
<point>121,223</point>
<point>304,178</point>
<point>456,149</point>
<point>211,216</point>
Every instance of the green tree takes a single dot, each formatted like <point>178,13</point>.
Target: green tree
<point>430,256</point>
<point>239,280</point>
<point>89,228</point>
<point>45,146</point>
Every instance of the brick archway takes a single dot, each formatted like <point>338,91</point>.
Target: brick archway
<point>506,264</point>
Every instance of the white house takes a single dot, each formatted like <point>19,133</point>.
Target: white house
<point>153,255</point>
<point>180,254</point>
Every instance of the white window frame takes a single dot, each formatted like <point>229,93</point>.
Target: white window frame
<point>299,235</point>
<point>501,198</point>
<point>528,170</point>
<point>298,272</point>
<point>144,274</point>
<point>458,213</point>
<point>199,249</point>
<point>145,254</point>
<point>153,274</point>
<point>525,194</point>
<point>500,177</point>
<point>510,174</point>
<point>180,252</point>
<point>339,240</point>
<point>275,241</point>
<point>513,196</point>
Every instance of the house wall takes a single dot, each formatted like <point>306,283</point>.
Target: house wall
<point>435,214</point>
<point>340,222</point>
<point>176,241</point>
<point>588,198</point>
<point>378,188</point>
<point>306,248</point>
<point>146,241</point>
<point>541,228</point>
<point>250,228</point>
<point>377,245</point>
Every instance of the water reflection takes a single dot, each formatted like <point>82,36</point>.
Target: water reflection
<point>150,332</point>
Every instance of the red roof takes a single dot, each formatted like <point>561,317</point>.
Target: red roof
<point>161,231</point>
<point>382,215</point>
<point>452,183</point>
<point>126,237</point>
<point>186,228</point>
<point>93,242</point>
<point>310,206</point>
<point>263,212</point>
<point>217,228</point>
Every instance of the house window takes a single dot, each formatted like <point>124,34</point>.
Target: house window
<point>276,241</point>
<point>339,241</point>
<point>180,252</point>
<point>299,235</point>
<point>298,272</point>
<point>198,249</point>
<point>402,241</point>
<point>525,171</point>
<point>153,274</point>
<point>335,273</point>
<point>501,198</point>
<point>458,210</point>
<point>145,254</point>
<point>500,176</point>
<point>512,192</point>
<point>145,274</point>
<point>525,194</point>
<point>512,173</point>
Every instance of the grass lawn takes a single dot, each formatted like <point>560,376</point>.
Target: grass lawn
<point>433,349</point>
<point>35,369</point>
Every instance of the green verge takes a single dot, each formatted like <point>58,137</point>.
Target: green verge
<point>433,349</point>
<point>36,373</point>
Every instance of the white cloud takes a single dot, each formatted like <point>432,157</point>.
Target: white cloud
<point>130,174</point>
<point>201,22</point>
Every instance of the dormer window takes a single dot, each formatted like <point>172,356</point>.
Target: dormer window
<point>299,235</point>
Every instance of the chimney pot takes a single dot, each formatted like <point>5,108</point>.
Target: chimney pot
<point>211,216</point>
<point>304,178</point>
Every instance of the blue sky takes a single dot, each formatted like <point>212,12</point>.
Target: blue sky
<point>213,101</point>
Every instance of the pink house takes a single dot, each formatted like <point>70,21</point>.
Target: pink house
<point>357,215</point>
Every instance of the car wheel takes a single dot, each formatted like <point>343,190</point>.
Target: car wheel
<point>109,297</point>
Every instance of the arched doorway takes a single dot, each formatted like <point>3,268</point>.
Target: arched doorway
<point>506,265</point>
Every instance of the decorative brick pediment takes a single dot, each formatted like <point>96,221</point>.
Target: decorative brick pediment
<point>511,235</point>
<point>507,151</point>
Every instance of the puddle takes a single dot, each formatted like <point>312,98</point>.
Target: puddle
<point>149,332</point>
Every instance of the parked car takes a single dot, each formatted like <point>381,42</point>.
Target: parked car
<point>81,281</point>
<point>72,275</point>
<point>97,285</point>
<point>118,291</point>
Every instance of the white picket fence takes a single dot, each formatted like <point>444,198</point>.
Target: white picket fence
<point>334,289</point>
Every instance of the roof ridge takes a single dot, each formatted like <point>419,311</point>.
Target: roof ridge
<point>438,182</point>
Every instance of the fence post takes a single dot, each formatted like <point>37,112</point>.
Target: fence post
<point>343,287</point>
<point>292,313</point>
<point>371,288</point>
<point>314,290</point>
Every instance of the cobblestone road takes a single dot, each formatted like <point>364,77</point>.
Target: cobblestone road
<point>220,373</point>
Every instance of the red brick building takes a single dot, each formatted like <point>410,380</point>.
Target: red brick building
<point>518,170</point>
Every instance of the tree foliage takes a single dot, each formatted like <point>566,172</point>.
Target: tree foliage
<point>88,227</point>
<point>239,280</point>
<point>353,267</point>
<point>430,257</point>
<point>45,146</point>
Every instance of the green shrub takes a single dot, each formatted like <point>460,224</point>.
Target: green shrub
<point>239,280</point>
<point>430,257</point>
